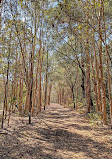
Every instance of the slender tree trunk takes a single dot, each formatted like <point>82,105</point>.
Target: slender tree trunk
<point>95,85</point>
<point>88,84</point>
<point>39,108</point>
<point>99,108</point>
<point>36,85</point>
<point>60,97</point>
<point>88,92</point>
<point>101,69</point>
<point>63,96</point>
<point>40,71</point>
<point>108,71</point>
<point>50,87</point>
<point>73,96</point>
<point>65,99</point>
<point>5,107</point>
<point>4,103</point>
<point>46,82</point>
<point>83,73</point>
<point>20,94</point>
<point>77,85</point>
<point>31,88</point>
<point>34,102</point>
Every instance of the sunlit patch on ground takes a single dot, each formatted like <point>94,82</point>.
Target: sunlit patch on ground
<point>57,133</point>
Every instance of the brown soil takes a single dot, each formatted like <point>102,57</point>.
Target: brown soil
<point>57,133</point>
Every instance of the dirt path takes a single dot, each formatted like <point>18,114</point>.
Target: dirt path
<point>57,133</point>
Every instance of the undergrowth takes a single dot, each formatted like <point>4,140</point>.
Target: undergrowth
<point>95,119</point>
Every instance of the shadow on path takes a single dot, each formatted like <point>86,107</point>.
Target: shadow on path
<point>56,133</point>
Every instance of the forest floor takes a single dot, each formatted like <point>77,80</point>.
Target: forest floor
<point>57,133</point>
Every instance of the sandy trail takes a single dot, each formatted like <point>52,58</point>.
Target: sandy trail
<point>57,133</point>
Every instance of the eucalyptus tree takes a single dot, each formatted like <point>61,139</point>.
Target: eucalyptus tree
<point>89,22</point>
<point>77,32</point>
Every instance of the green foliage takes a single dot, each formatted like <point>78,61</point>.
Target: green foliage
<point>13,99</point>
<point>95,119</point>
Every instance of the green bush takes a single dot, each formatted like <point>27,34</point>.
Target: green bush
<point>95,118</point>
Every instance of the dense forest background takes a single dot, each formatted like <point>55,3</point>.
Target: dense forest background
<point>56,51</point>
